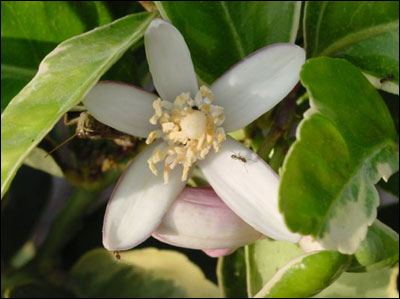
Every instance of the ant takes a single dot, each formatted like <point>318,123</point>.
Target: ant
<point>239,157</point>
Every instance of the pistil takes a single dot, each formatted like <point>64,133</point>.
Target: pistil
<point>190,128</point>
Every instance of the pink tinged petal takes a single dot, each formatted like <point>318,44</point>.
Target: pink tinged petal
<point>218,252</point>
<point>256,84</point>
<point>121,106</point>
<point>138,203</point>
<point>198,219</point>
<point>249,188</point>
<point>169,60</point>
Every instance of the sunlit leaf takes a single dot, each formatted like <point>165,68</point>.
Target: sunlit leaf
<point>63,78</point>
<point>168,264</point>
<point>375,284</point>
<point>150,273</point>
<point>345,144</point>
<point>305,275</point>
<point>264,259</point>
<point>379,249</point>
<point>31,29</point>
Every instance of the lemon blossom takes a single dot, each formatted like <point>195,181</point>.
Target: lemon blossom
<point>199,219</point>
<point>187,125</point>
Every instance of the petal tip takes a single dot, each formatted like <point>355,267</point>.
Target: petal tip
<point>156,23</point>
<point>107,244</point>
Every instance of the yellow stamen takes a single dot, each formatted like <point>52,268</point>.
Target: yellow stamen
<point>152,167</point>
<point>153,135</point>
<point>189,128</point>
<point>168,127</point>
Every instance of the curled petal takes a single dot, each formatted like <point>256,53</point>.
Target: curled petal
<point>138,204</point>
<point>121,106</point>
<point>248,186</point>
<point>198,219</point>
<point>256,84</point>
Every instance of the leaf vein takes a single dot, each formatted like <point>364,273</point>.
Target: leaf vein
<point>358,36</point>
<point>235,34</point>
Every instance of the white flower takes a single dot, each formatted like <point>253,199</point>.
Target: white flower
<point>242,180</point>
<point>199,219</point>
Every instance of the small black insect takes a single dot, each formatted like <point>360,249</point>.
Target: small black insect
<point>238,157</point>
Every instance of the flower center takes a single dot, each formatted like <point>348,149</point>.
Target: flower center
<point>194,124</point>
<point>190,128</point>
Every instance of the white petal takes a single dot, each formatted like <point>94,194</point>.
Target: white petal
<point>169,60</point>
<point>138,203</point>
<point>218,252</point>
<point>256,84</point>
<point>198,219</point>
<point>249,188</point>
<point>121,106</point>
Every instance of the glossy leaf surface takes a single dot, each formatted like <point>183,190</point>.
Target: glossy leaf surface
<point>234,29</point>
<point>63,78</point>
<point>365,33</point>
<point>345,144</point>
<point>27,35</point>
<point>149,273</point>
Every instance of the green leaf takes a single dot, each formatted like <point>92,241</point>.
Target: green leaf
<point>39,159</point>
<point>169,264</point>
<point>345,144</point>
<point>149,273</point>
<point>64,77</point>
<point>375,284</point>
<point>365,33</point>
<point>263,260</point>
<point>380,249</point>
<point>231,274</point>
<point>31,29</point>
<point>232,30</point>
<point>306,275</point>
<point>37,290</point>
